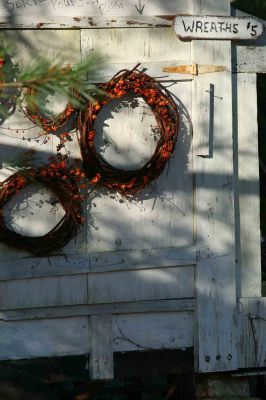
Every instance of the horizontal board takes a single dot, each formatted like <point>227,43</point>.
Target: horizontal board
<point>84,22</point>
<point>71,336</point>
<point>44,292</point>
<point>96,262</point>
<point>44,338</point>
<point>146,284</point>
<point>96,309</point>
<point>107,287</point>
<point>135,45</point>
<point>71,13</point>
<point>152,331</point>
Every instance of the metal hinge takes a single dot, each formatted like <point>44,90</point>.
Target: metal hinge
<point>193,69</point>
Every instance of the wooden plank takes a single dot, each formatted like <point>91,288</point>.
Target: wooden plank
<point>86,310</point>
<point>249,257</point>
<point>134,45</point>
<point>96,262</point>
<point>27,293</point>
<point>101,353</point>
<point>44,292</point>
<point>44,338</point>
<point>73,290</point>
<point>247,58</point>
<point>156,69</point>
<point>215,276</point>
<point>146,284</point>
<point>83,13</point>
<point>152,331</point>
<point>252,329</point>
<point>217,27</point>
<point>98,335</point>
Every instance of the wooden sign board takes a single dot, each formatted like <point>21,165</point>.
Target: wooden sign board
<point>220,28</point>
<point>89,13</point>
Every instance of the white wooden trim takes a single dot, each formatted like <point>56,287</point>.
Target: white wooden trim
<point>81,22</point>
<point>54,337</point>
<point>101,353</point>
<point>250,58</point>
<point>91,309</point>
<point>215,344</point>
<point>96,262</point>
<point>88,14</point>
<point>247,183</point>
<point>252,329</point>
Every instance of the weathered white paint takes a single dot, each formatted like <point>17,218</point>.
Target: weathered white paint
<point>147,284</point>
<point>41,292</point>
<point>94,288</point>
<point>141,224</point>
<point>250,58</point>
<point>247,183</point>
<point>152,331</point>
<point>91,309</point>
<point>98,334</point>
<point>217,27</point>
<point>124,46</point>
<point>44,338</point>
<point>101,353</point>
<point>34,267</point>
<point>87,13</point>
<point>252,332</point>
<point>32,214</point>
<point>215,343</point>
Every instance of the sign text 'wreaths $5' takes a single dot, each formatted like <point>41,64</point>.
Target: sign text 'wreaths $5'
<point>64,184</point>
<point>161,102</point>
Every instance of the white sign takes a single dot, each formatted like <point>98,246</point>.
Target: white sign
<point>209,27</point>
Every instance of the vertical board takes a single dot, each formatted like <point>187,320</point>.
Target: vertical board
<point>215,272</point>
<point>252,339</point>
<point>249,254</point>
<point>161,216</point>
<point>101,353</point>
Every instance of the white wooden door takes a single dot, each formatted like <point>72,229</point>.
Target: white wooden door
<point>133,260</point>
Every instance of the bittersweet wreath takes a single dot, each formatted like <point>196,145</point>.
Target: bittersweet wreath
<point>49,123</point>
<point>161,102</point>
<point>64,184</point>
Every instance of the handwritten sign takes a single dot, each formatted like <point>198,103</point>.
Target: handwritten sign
<point>90,8</point>
<point>209,27</point>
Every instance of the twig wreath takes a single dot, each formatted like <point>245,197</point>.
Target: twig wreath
<point>63,183</point>
<point>161,102</point>
<point>48,123</point>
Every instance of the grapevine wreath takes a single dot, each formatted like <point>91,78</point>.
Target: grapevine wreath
<point>47,123</point>
<point>64,184</point>
<point>129,182</point>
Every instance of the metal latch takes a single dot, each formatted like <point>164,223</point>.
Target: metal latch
<point>193,69</point>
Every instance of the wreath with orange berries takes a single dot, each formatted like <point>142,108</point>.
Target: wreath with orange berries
<point>49,124</point>
<point>161,102</point>
<point>64,184</point>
